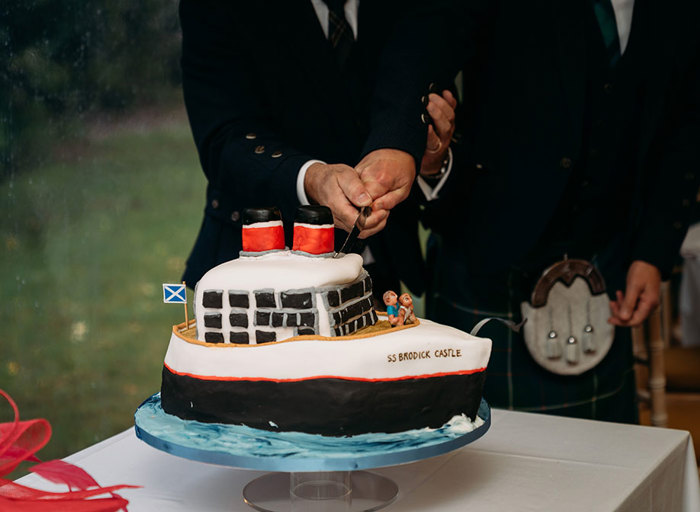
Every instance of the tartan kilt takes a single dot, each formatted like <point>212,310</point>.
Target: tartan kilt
<point>513,379</point>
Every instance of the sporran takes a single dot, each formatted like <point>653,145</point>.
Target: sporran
<point>567,330</point>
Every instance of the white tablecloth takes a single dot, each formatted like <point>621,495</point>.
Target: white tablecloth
<point>525,462</point>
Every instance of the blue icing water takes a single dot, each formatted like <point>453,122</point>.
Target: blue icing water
<point>239,440</point>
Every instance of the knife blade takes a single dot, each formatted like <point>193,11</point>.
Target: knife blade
<point>358,226</point>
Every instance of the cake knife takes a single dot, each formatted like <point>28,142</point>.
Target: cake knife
<point>359,225</point>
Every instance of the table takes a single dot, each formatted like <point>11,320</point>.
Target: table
<point>525,462</point>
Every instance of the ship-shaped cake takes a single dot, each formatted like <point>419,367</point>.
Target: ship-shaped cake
<point>289,340</point>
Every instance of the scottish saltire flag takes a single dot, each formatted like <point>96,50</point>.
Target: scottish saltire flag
<point>174,294</point>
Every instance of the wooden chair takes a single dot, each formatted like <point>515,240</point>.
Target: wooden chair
<point>650,340</point>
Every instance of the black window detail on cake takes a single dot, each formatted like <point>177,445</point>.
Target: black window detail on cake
<point>351,292</point>
<point>238,300</point>
<point>333,299</point>
<point>238,319</point>
<point>265,336</point>
<point>355,309</point>
<point>212,299</point>
<point>265,299</point>
<point>367,284</point>
<point>277,319</point>
<point>303,331</point>
<point>292,320</point>
<point>212,320</point>
<point>370,318</point>
<point>262,318</point>
<point>296,300</point>
<point>239,337</point>
<point>213,337</point>
<point>353,314</point>
<point>307,319</point>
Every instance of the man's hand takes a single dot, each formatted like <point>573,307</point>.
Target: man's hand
<point>640,298</point>
<point>339,187</point>
<point>388,175</point>
<point>442,110</point>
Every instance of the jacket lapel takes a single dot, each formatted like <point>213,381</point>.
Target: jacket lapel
<point>571,57</point>
<point>644,35</point>
<point>297,24</point>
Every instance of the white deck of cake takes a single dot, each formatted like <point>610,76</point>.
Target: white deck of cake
<point>281,270</point>
<point>426,349</point>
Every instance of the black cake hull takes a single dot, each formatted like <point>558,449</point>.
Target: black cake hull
<point>327,406</point>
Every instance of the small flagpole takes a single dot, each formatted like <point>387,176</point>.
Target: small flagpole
<point>187,322</point>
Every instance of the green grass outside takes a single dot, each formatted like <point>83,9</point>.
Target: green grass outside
<point>85,243</point>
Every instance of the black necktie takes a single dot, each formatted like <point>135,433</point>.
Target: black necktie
<point>339,31</point>
<point>605,14</point>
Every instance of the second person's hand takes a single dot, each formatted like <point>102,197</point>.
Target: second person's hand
<point>442,111</point>
<point>388,175</point>
<point>339,187</point>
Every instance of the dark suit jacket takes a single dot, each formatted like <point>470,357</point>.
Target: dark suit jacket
<point>525,79</point>
<point>263,97</point>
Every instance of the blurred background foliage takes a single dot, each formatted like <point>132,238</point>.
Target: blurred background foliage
<point>101,196</point>
<point>63,61</point>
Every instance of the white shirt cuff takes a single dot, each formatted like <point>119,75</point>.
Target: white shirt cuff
<point>301,193</point>
<point>432,193</point>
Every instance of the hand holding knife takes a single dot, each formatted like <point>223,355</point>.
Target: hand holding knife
<point>358,226</point>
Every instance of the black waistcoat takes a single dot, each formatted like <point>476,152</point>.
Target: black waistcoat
<point>596,202</point>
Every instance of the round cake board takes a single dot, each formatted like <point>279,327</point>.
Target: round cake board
<point>321,465</point>
<point>248,448</point>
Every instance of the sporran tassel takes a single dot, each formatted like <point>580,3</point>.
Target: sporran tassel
<point>572,350</point>
<point>587,341</point>
<point>553,349</point>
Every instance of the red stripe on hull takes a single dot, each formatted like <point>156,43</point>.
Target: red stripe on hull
<point>359,379</point>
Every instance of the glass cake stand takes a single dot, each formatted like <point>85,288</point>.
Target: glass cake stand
<point>310,473</point>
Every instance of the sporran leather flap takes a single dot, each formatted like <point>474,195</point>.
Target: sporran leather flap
<point>567,330</point>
